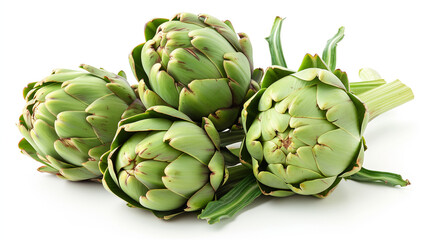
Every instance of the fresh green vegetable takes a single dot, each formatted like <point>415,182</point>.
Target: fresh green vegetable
<point>162,161</point>
<point>71,117</point>
<point>301,132</point>
<point>304,129</point>
<point>304,132</point>
<point>196,64</point>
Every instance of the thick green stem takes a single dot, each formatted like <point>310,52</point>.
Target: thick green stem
<point>358,88</point>
<point>386,97</point>
<point>244,193</point>
<point>230,158</point>
<point>231,137</point>
<point>386,178</point>
<point>236,171</point>
<point>275,44</point>
<point>236,174</point>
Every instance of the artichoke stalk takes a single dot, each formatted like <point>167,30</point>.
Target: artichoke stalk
<point>162,161</point>
<point>70,119</point>
<point>196,64</point>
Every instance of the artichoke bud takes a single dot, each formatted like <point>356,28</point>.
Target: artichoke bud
<point>195,48</point>
<point>71,117</point>
<point>162,161</point>
<point>303,131</point>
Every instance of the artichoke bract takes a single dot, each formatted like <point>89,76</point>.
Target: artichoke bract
<point>304,130</point>
<point>71,117</point>
<point>162,161</point>
<point>196,64</point>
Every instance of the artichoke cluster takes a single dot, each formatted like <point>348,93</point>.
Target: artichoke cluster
<point>165,143</point>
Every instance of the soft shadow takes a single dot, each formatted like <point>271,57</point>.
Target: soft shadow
<point>192,217</point>
<point>379,131</point>
<point>226,221</point>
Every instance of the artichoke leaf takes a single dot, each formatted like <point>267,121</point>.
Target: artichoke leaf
<point>223,29</point>
<point>75,150</point>
<point>211,131</point>
<point>194,143</point>
<point>135,60</point>
<point>217,168</point>
<point>315,186</point>
<point>238,70</point>
<point>185,175</point>
<point>150,173</point>
<point>335,151</point>
<point>310,61</point>
<point>153,146</point>
<point>212,45</point>
<point>205,96</point>
<point>223,116</point>
<point>86,88</point>
<point>149,97</point>
<point>73,123</point>
<point>44,137</point>
<point>152,26</point>
<point>59,101</point>
<point>200,198</point>
<point>162,200</point>
<point>131,186</point>
<point>187,64</point>
<point>111,184</point>
<point>78,173</point>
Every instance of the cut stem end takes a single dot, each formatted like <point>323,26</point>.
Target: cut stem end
<point>386,97</point>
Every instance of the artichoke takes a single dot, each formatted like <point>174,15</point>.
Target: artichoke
<point>70,119</point>
<point>304,129</point>
<point>195,64</point>
<point>162,161</point>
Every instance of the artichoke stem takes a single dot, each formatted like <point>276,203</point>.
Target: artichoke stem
<point>236,174</point>
<point>358,88</point>
<point>386,178</point>
<point>243,194</point>
<point>231,137</point>
<point>230,158</point>
<point>386,97</point>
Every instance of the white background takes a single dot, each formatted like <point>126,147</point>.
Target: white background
<point>391,37</point>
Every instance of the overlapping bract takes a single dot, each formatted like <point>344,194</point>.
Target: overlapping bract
<point>196,64</point>
<point>162,161</point>
<point>304,130</point>
<point>71,117</point>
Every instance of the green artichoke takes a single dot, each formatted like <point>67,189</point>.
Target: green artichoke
<point>71,117</point>
<point>162,161</point>
<point>304,131</point>
<point>197,65</point>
